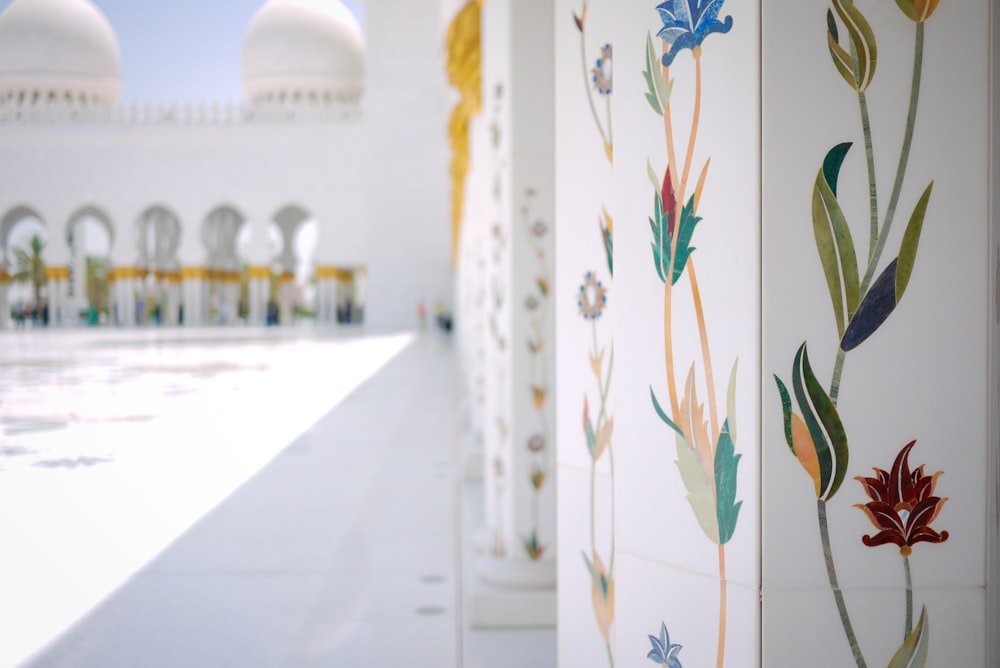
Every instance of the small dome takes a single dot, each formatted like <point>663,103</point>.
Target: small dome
<point>57,49</point>
<point>303,49</point>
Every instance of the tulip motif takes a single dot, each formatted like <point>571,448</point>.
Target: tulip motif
<point>903,505</point>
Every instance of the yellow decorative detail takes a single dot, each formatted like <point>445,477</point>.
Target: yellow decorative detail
<point>464,70</point>
<point>5,278</point>
<point>259,272</point>
<point>336,273</point>
<point>287,276</point>
<point>57,273</point>
<point>194,273</point>
<point>122,274</point>
<point>212,275</point>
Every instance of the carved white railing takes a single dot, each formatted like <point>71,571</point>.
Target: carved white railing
<point>14,111</point>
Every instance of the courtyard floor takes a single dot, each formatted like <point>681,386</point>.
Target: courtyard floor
<point>234,497</point>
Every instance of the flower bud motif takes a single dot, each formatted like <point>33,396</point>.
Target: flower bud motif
<point>918,10</point>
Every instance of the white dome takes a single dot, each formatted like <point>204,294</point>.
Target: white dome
<point>303,48</point>
<point>58,48</point>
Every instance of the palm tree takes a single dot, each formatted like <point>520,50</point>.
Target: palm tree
<point>30,266</point>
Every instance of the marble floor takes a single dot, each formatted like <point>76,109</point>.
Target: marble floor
<point>235,498</point>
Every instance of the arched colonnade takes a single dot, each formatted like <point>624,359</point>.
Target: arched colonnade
<point>158,269</point>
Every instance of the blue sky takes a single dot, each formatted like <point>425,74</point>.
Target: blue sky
<point>181,50</point>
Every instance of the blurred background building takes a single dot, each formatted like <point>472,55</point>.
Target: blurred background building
<point>321,194</point>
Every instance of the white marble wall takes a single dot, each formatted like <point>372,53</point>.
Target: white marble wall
<point>772,106</point>
<point>520,429</point>
<point>921,376</point>
<point>681,552</point>
<point>408,222</point>
<point>585,354</point>
<point>688,549</point>
<point>499,269</point>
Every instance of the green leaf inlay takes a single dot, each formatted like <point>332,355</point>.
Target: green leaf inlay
<point>911,239</point>
<point>913,652</point>
<point>726,465</point>
<point>663,416</point>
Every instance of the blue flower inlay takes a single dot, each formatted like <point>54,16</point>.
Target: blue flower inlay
<point>663,652</point>
<point>686,24</point>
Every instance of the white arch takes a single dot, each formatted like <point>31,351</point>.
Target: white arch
<point>94,212</point>
<point>219,232</point>
<point>166,230</point>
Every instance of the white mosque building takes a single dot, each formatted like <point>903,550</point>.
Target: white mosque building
<point>324,190</point>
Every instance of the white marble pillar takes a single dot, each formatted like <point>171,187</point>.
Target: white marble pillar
<point>123,276</point>
<point>259,287</point>
<point>171,291</point>
<point>286,303</point>
<point>231,289</point>
<point>5,321</point>
<point>112,298</point>
<point>326,294</point>
<point>57,291</point>
<point>359,294</point>
<point>518,572</point>
<point>259,256</point>
<point>471,286</point>
<point>125,286</point>
<point>57,262</point>
<point>322,307</point>
<point>193,299</point>
<point>79,268</point>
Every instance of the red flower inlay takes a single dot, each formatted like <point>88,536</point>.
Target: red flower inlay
<point>902,505</point>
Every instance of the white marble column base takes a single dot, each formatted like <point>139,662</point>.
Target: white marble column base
<point>503,592</point>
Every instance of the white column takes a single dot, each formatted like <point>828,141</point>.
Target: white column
<point>359,295</point>
<point>326,295</point>
<point>287,298</point>
<point>5,322</point>
<point>171,299</point>
<point>79,269</point>
<point>57,291</point>
<point>518,574</point>
<point>259,271</point>
<point>124,271</point>
<point>193,289</point>
<point>125,287</point>
<point>112,298</point>
<point>258,289</point>
<point>231,290</point>
<point>57,260</point>
<point>471,286</point>
<point>321,290</point>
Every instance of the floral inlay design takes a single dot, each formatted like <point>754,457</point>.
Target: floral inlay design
<point>601,76</point>
<point>498,289</point>
<point>686,24</point>
<point>602,71</point>
<point>593,297</point>
<point>902,504</point>
<point>537,306</point>
<point>902,507</point>
<point>664,652</point>
<point>705,444</point>
<point>592,301</point>
<point>598,434</point>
